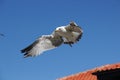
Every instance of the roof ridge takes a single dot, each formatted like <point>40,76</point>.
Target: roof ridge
<point>101,68</point>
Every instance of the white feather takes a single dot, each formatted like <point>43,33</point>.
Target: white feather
<point>62,28</point>
<point>76,34</point>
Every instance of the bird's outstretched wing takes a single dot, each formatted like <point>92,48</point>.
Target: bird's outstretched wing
<point>44,43</point>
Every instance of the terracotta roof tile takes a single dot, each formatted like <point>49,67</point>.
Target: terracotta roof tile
<point>87,75</point>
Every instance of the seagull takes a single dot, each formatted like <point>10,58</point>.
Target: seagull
<point>69,34</point>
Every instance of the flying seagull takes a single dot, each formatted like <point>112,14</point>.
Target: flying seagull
<point>65,34</point>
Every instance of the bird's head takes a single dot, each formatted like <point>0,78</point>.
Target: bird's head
<point>60,29</point>
<point>72,23</point>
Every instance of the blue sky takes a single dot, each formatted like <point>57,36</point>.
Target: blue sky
<point>23,21</point>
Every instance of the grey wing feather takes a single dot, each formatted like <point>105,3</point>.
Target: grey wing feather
<point>27,49</point>
<point>44,43</point>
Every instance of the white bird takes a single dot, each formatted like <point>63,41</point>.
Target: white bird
<point>65,34</point>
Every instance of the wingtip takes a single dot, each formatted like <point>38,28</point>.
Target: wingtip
<point>26,55</point>
<point>79,37</point>
<point>22,51</point>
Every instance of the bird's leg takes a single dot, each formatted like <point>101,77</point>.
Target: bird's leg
<point>70,44</point>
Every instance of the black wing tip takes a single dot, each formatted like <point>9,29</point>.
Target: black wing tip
<point>22,51</point>
<point>26,54</point>
<point>79,37</point>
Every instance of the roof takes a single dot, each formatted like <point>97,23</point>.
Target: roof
<point>87,75</point>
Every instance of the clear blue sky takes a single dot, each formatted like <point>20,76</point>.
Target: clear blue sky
<point>23,21</point>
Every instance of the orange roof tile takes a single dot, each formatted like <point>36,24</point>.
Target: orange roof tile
<point>87,75</point>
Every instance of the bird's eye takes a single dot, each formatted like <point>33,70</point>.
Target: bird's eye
<point>59,29</point>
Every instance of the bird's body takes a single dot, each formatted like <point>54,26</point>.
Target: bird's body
<point>71,33</point>
<point>65,34</point>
